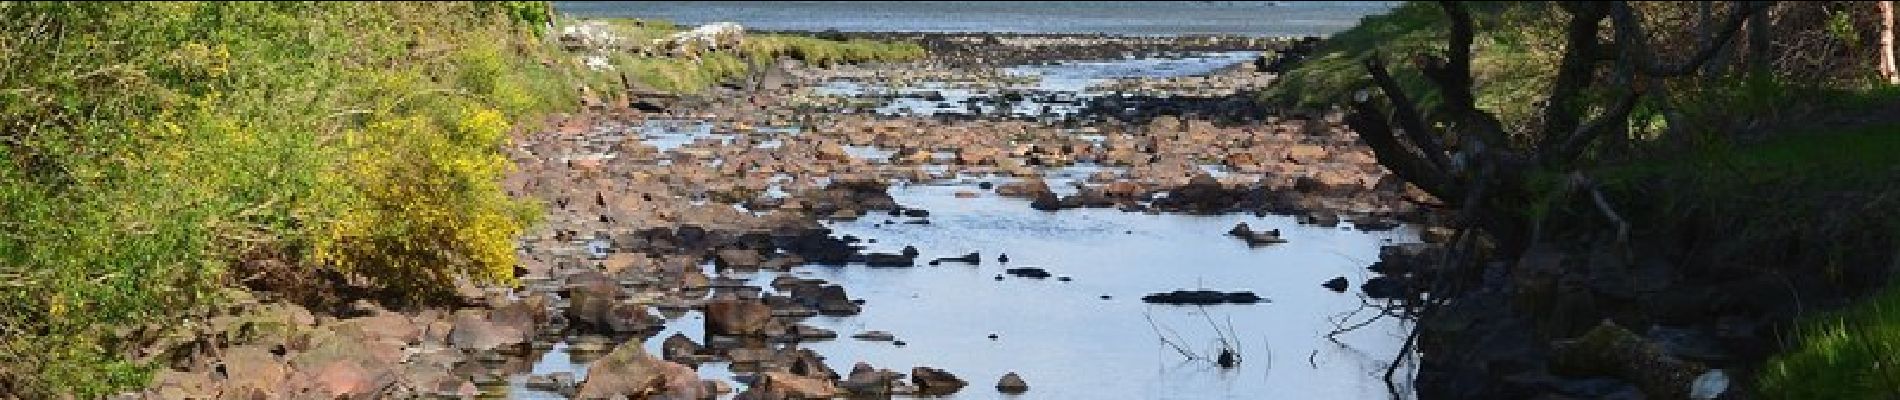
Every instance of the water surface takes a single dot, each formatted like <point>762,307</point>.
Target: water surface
<point>1255,18</point>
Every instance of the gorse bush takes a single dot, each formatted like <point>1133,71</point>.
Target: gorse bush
<point>146,149</point>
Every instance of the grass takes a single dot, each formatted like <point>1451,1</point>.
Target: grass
<point>153,148</point>
<point>1514,56</point>
<point>1850,354</point>
<point>757,50</point>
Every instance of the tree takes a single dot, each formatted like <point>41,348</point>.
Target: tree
<point>1888,70</point>
<point>1487,177</point>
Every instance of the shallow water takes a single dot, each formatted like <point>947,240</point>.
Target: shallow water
<point>1067,341</point>
<point>1063,337</point>
<point>1052,90</point>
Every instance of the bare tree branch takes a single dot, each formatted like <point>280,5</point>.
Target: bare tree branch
<point>1407,114</point>
<point>1706,49</point>
<point>1370,123</point>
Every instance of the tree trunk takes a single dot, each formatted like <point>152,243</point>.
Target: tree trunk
<point>1888,70</point>
<point>1758,44</point>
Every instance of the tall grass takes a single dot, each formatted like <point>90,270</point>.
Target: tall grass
<point>680,75</point>
<point>151,148</point>
<point>1851,354</point>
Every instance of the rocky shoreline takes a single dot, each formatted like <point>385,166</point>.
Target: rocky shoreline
<point>647,210</point>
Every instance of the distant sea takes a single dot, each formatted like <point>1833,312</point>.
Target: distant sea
<point>1252,18</point>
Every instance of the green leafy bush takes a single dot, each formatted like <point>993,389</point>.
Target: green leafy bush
<point>150,148</point>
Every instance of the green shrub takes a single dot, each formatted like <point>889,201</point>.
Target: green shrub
<point>150,147</point>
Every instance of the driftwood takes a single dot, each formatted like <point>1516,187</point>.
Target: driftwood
<point>1610,350</point>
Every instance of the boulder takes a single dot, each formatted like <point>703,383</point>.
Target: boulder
<point>1337,285</point>
<point>253,367</point>
<point>935,382</point>
<point>738,258</point>
<point>1012,384</point>
<point>870,382</point>
<point>737,317</point>
<point>629,371</point>
<point>1201,297</point>
<point>678,347</point>
<point>785,385</point>
<point>474,332</point>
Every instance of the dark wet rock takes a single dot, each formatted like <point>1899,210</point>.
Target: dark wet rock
<point>1202,194</point>
<point>808,363</point>
<point>828,299</point>
<point>629,371</point>
<point>867,381</point>
<point>875,336</point>
<point>935,382</point>
<point>1374,223</point>
<point>1384,287</point>
<point>916,213</point>
<point>1046,201</point>
<point>593,305</point>
<point>678,347</point>
<point>972,259</point>
<point>806,333</point>
<point>738,258</point>
<point>737,317</point>
<point>884,260</point>
<point>1240,230</point>
<point>558,382</point>
<point>1337,285</point>
<point>817,246</point>
<point>1201,297</point>
<point>1028,272</point>
<point>1011,383</point>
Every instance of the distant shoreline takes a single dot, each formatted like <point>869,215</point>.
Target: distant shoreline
<point>1248,19</point>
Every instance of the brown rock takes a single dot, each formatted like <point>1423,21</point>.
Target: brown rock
<point>935,382</point>
<point>737,317</point>
<point>739,258</point>
<point>1012,384</point>
<point>343,378</point>
<point>253,367</point>
<point>784,385</point>
<point>629,371</point>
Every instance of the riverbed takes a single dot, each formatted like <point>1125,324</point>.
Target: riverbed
<point>1084,331</point>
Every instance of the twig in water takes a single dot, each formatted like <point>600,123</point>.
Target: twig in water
<point>1164,338</point>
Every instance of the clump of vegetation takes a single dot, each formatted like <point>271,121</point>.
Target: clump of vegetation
<point>151,149</point>
<point>1515,49</point>
<point>687,75</point>
<point>1849,354</point>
